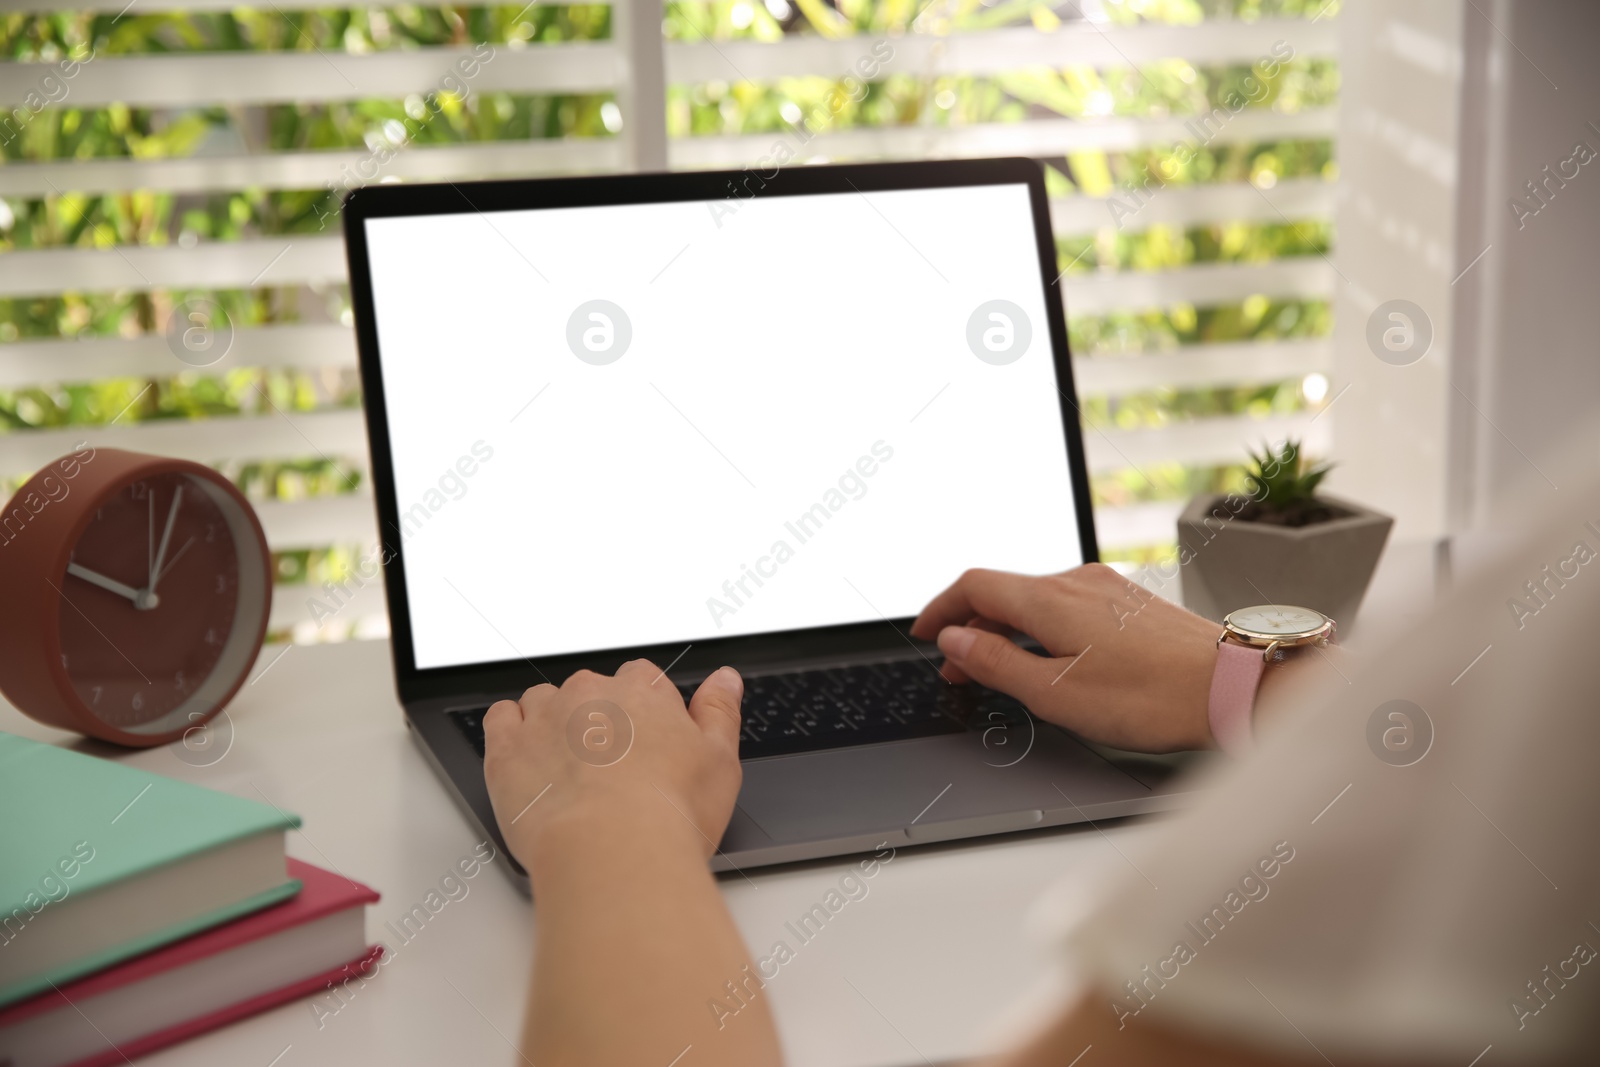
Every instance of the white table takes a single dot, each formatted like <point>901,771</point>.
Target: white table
<point>938,946</point>
<point>917,971</point>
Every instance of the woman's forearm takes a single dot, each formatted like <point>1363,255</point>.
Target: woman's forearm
<point>635,948</point>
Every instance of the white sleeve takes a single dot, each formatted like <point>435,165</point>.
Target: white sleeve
<point>1322,898</point>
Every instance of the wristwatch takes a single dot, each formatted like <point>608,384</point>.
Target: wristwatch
<point>1251,638</point>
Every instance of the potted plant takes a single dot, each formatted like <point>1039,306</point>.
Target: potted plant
<point>1282,542</point>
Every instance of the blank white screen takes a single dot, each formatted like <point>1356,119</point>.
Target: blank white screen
<point>551,505</point>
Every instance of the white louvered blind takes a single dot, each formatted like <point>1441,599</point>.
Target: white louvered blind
<point>1158,411</point>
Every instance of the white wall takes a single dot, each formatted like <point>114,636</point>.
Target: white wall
<point>1529,315</point>
<point>1448,109</point>
<point>1398,164</point>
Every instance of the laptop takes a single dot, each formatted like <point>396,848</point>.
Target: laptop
<point>755,418</point>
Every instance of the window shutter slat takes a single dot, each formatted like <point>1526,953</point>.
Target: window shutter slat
<point>1202,442</point>
<point>1003,50</point>
<point>313,170</point>
<point>1306,277</point>
<point>65,359</point>
<point>336,434</point>
<point>238,78</point>
<point>1039,138</point>
<point>1203,366</point>
<point>1192,205</point>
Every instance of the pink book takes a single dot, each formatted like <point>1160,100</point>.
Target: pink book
<point>228,972</point>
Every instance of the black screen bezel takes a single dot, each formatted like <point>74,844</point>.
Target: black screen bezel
<point>510,675</point>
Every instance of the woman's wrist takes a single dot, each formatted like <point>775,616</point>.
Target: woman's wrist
<point>1278,680</point>
<point>578,837</point>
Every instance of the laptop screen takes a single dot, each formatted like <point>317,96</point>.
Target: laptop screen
<point>664,423</point>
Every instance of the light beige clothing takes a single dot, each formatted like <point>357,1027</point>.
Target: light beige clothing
<point>1322,901</point>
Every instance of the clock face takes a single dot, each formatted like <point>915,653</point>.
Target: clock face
<point>1278,620</point>
<point>160,604</point>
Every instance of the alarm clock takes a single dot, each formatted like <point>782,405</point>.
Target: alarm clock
<point>137,590</point>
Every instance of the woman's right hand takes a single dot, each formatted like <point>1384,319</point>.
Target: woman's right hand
<point>1125,667</point>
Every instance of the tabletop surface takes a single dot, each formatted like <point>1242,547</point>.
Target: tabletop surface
<point>916,970</point>
<point>920,970</point>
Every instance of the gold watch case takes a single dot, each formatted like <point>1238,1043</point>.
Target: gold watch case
<point>1273,644</point>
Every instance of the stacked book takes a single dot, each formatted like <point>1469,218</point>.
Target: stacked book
<point>136,910</point>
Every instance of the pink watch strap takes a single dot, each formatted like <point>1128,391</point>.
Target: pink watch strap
<point>1233,695</point>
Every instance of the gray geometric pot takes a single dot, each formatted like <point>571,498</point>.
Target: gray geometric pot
<point>1229,563</point>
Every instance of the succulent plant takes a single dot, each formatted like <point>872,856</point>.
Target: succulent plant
<point>1282,479</point>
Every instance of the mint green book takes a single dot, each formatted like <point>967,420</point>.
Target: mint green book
<point>100,862</point>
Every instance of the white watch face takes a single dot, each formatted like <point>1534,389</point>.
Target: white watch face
<point>1277,620</point>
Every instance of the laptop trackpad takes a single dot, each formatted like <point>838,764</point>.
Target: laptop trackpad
<point>921,784</point>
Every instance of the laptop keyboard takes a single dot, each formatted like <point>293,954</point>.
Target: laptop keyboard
<point>807,711</point>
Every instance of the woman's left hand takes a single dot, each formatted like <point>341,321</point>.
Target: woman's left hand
<point>574,762</point>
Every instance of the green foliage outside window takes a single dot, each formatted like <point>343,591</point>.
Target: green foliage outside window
<point>902,96</point>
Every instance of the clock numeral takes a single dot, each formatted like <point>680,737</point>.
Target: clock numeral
<point>180,682</point>
<point>138,490</point>
<point>63,661</point>
<point>211,636</point>
<point>222,584</point>
<point>211,532</point>
<point>96,698</point>
<point>138,701</point>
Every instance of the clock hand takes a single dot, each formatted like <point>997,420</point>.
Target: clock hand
<point>95,578</point>
<point>166,536</point>
<point>172,562</point>
<point>150,536</point>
